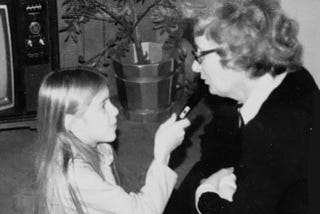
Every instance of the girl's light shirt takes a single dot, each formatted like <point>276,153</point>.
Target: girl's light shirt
<point>106,156</point>
<point>106,197</point>
<point>248,111</point>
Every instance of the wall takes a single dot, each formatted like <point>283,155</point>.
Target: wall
<point>307,13</point>
<point>89,42</point>
<point>95,35</point>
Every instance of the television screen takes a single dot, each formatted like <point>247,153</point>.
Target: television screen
<point>6,64</point>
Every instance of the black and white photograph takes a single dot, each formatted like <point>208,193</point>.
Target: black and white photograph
<point>159,106</point>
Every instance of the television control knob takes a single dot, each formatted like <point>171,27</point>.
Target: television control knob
<point>41,42</point>
<point>35,27</point>
<point>29,43</point>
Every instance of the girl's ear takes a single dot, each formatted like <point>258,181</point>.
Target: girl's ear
<point>74,124</point>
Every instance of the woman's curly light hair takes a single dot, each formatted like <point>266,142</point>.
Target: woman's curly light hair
<point>256,35</point>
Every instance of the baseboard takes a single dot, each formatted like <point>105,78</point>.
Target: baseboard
<point>19,122</point>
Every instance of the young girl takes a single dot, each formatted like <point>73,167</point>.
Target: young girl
<point>75,172</point>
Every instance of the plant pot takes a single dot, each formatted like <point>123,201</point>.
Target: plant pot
<point>146,91</point>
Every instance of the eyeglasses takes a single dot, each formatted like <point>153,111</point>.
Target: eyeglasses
<point>198,56</point>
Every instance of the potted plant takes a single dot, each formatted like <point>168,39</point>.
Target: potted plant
<point>145,72</point>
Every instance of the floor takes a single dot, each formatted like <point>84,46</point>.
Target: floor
<point>135,145</point>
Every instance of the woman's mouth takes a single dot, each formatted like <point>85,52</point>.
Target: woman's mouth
<point>203,78</point>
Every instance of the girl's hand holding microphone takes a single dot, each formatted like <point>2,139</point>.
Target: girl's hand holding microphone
<point>168,137</point>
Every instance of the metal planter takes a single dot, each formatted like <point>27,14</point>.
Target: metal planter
<point>146,91</point>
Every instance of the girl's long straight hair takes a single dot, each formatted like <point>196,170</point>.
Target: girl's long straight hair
<point>64,92</point>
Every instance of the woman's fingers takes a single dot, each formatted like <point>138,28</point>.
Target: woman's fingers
<point>222,182</point>
<point>227,187</point>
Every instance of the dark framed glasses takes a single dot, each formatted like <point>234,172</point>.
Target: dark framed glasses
<point>198,55</point>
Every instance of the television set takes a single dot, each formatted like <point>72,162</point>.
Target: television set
<point>29,50</point>
<point>6,62</point>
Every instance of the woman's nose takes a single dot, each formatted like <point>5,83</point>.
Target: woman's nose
<point>115,110</point>
<point>196,67</point>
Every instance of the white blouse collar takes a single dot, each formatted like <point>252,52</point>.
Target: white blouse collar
<point>259,94</point>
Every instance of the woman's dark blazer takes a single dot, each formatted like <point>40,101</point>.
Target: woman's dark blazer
<point>270,153</point>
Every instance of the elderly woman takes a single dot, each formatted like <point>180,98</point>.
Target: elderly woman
<point>248,50</point>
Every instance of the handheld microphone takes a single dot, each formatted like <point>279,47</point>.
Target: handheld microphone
<point>190,104</point>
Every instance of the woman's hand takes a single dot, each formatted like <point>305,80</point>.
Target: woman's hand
<point>222,182</point>
<point>168,137</point>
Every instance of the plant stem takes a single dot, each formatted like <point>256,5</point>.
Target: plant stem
<point>136,35</point>
<point>113,16</point>
<point>137,39</point>
<point>146,12</point>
